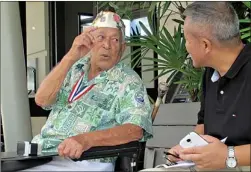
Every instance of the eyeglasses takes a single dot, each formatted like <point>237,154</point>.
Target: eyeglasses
<point>168,153</point>
<point>192,169</point>
<point>166,156</point>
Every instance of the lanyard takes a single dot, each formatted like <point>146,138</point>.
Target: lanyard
<point>78,91</point>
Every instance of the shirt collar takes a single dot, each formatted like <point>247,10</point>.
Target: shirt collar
<point>216,76</point>
<point>240,61</point>
<point>112,74</point>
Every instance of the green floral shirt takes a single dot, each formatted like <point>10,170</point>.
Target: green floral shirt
<point>118,97</point>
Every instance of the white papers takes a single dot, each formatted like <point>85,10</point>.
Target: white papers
<point>182,164</point>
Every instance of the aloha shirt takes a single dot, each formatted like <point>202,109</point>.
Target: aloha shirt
<point>117,97</point>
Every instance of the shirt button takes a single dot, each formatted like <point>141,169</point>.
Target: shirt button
<point>221,92</point>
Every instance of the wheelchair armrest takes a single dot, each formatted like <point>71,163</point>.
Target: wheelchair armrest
<point>20,163</point>
<point>129,149</point>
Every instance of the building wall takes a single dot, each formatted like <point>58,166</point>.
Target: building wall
<point>38,38</point>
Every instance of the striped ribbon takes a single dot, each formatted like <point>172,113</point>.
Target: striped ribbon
<point>78,90</point>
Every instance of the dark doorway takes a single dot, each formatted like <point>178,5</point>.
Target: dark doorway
<point>63,18</point>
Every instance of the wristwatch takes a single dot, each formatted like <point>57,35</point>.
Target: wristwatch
<point>231,161</point>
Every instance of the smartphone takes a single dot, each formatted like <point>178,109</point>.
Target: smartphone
<point>192,140</point>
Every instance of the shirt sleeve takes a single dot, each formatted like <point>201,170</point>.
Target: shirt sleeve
<point>60,97</point>
<point>135,108</point>
<point>203,95</point>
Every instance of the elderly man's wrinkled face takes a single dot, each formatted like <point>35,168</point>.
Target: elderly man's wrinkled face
<point>108,48</point>
<point>195,44</point>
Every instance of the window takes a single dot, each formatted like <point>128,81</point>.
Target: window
<point>84,20</point>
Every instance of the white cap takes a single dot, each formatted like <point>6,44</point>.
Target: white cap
<point>109,19</point>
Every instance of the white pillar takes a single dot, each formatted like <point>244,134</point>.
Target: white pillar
<point>14,97</point>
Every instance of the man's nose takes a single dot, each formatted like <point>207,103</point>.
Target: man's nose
<point>107,44</point>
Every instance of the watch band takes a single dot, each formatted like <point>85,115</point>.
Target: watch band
<point>231,161</point>
<point>231,153</point>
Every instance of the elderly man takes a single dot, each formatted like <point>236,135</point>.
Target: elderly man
<point>94,101</point>
<point>212,36</point>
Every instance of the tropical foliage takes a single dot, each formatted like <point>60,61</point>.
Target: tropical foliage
<point>245,22</point>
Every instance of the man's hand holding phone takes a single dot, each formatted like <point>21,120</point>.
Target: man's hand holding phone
<point>205,151</point>
<point>193,140</point>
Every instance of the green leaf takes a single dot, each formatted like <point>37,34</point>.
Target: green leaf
<point>155,60</point>
<point>245,29</point>
<point>153,6</point>
<point>247,3</point>
<point>245,20</point>
<point>169,37</point>
<point>153,65</point>
<point>145,29</point>
<point>113,5</point>
<point>133,53</point>
<point>167,43</point>
<point>154,69</point>
<point>245,35</point>
<point>172,77</point>
<point>138,58</point>
<point>177,37</point>
<point>182,82</point>
<point>166,6</point>
<point>158,11</point>
<point>162,73</point>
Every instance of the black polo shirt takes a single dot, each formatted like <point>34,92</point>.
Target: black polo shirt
<point>226,102</point>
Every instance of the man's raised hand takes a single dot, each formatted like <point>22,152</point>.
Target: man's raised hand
<point>82,44</point>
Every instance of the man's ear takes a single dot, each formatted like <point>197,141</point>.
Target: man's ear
<point>207,45</point>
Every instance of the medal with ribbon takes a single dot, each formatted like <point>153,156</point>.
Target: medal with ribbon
<point>79,90</point>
